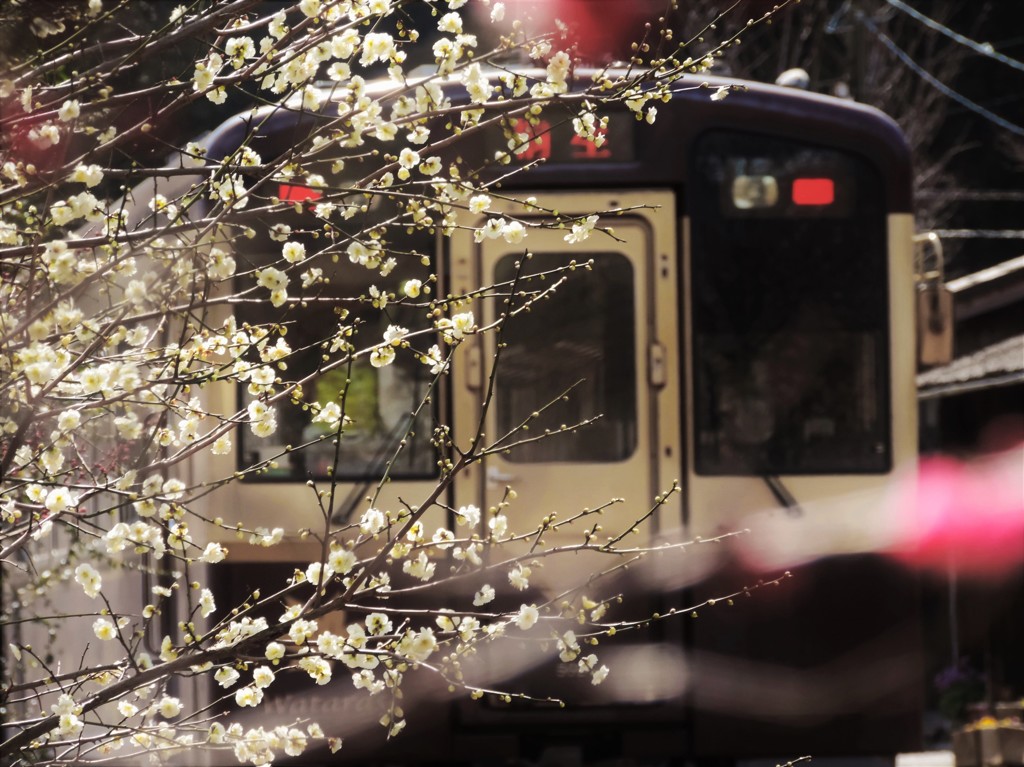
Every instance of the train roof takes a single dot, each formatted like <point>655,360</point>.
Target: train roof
<point>661,151</point>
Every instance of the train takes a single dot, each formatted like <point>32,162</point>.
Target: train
<point>749,332</point>
<point>743,335</point>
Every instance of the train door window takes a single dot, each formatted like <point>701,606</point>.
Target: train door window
<point>789,309</point>
<point>571,358</point>
<point>379,401</point>
<point>599,333</point>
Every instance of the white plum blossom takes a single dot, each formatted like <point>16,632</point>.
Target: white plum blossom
<point>250,696</point>
<point>372,522</point>
<point>262,419</point>
<point>568,647</point>
<point>206,603</point>
<point>263,677</point>
<point>70,725</point>
<point>312,276</point>
<point>221,264</point>
<point>479,203</point>
<point>365,680</point>
<point>485,595</point>
<point>419,135</point>
<point>275,281</point>
<point>213,553</point>
<point>462,324</point>
<point>311,98</point>
<point>301,630</point>
<point>104,629</point>
<point>498,525</point>
<point>442,538</point>
<point>421,567</point>
<point>69,110</point>
<point>317,573</point>
<point>277,27</point>
<point>202,77</point>
<point>394,335</point>
<point>468,515</point>
<point>477,84</point>
<point>456,328</point>
<point>89,579</point>
<point>169,707</point>
<point>342,561</point>
<point>339,71</point>
<point>491,230</point>
<point>431,166</point>
<point>231,191</point>
<point>293,252</point>
<point>519,577</point>
<point>377,46</point>
<point>66,705</point>
<point>581,230</point>
<point>419,645</point>
<point>513,232</point>
<point>318,669</point>
<point>60,499</point>
<point>407,159</point>
<point>378,624</point>
<point>226,676</point>
<point>90,175</point>
<point>450,23</point>
<point>470,553</point>
<point>558,70</point>
<point>438,364</point>
<point>527,617</point>
<point>382,356</point>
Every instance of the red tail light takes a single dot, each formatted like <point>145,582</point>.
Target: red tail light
<point>814,191</point>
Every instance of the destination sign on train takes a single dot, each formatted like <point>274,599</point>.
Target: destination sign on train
<point>553,139</point>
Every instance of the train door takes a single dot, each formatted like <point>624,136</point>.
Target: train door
<point>585,368</point>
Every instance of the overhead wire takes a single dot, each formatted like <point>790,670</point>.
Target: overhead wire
<point>984,49</point>
<point>932,80</point>
<point>984,234</point>
<point>972,195</point>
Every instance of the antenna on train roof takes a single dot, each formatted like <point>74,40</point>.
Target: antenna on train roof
<point>794,78</point>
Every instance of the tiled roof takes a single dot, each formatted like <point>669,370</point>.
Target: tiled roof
<point>1000,364</point>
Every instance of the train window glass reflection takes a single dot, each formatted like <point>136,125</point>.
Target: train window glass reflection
<point>789,312</point>
<point>379,401</point>
<point>582,335</point>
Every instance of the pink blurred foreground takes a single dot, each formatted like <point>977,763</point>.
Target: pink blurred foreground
<point>599,29</point>
<point>965,516</point>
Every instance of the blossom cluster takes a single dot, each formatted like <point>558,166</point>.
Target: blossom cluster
<point>162,341</point>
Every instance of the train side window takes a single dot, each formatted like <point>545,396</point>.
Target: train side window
<point>379,402</point>
<point>582,337</point>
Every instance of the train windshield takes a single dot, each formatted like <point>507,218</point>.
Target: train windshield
<point>789,309</point>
